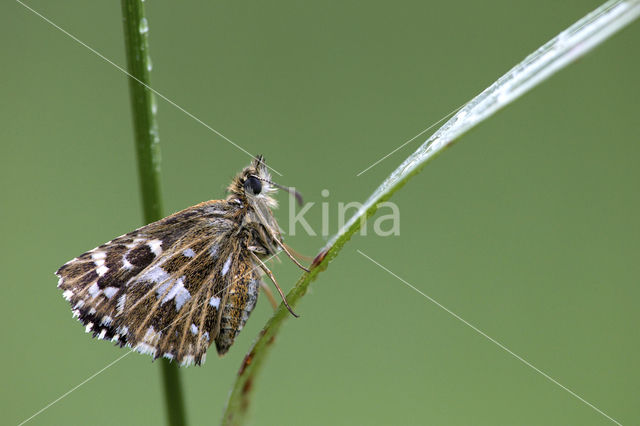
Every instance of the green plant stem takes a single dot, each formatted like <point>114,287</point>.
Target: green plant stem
<point>147,145</point>
<point>142,106</point>
<point>174,400</point>
<point>570,44</point>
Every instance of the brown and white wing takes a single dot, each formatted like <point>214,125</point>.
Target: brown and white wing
<point>208,299</point>
<point>143,288</point>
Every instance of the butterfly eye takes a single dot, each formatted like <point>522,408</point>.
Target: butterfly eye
<point>253,185</point>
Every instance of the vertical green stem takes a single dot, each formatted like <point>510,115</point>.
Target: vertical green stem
<point>143,107</point>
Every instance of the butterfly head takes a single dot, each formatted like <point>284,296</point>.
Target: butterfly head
<point>253,186</point>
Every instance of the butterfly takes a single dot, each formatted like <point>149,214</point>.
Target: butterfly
<point>173,287</point>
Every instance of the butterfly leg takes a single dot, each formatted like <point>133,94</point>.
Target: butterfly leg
<point>270,275</point>
<point>269,294</point>
<point>286,250</point>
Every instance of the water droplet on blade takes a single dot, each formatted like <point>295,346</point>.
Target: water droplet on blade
<point>144,26</point>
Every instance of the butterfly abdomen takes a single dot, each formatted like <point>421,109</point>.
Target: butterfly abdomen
<point>241,300</point>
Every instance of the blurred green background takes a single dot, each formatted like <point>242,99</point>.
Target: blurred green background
<point>527,228</point>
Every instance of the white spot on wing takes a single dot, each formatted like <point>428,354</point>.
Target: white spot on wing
<point>102,333</point>
<point>163,288</point>
<point>188,359</point>
<point>193,329</point>
<point>154,245</point>
<point>213,251</point>
<point>110,292</point>
<point>168,355</point>
<point>88,327</point>
<point>144,348</point>
<point>177,292</point>
<point>94,290</point>
<point>106,320</point>
<point>151,334</point>
<point>155,274</point>
<point>101,270</point>
<point>189,252</point>
<point>67,294</point>
<point>125,263</point>
<point>98,255</point>
<point>205,335</point>
<point>121,301</point>
<point>226,266</point>
<point>215,302</point>
<point>182,298</point>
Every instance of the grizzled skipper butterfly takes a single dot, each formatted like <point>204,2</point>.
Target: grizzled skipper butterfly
<point>173,287</point>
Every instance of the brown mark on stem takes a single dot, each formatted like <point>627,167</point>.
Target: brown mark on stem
<point>247,386</point>
<point>319,258</point>
<point>245,363</point>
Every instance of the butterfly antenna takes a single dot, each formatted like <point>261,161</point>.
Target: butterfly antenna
<point>286,188</point>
